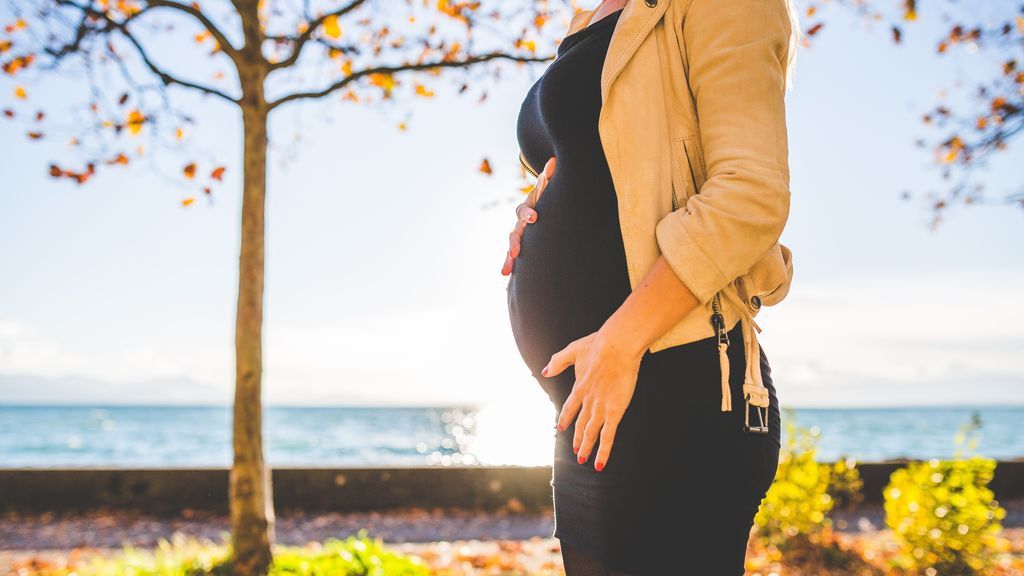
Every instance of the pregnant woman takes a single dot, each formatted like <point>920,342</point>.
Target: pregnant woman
<point>637,264</point>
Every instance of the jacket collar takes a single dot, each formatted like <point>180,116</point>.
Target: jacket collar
<point>638,18</point>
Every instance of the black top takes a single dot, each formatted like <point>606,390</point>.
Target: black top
<point>571,274</point>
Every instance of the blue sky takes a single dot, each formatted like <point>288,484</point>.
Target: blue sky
<point>384,249</point>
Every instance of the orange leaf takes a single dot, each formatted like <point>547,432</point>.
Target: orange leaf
<point>5,45</point>
<point>331,27</point>
<point>35,135</point>
<point>135,122</point>
<point>422,90</point>
<point>186,202</point>
<point>218,174</point>
<point>20,93</point>
<point>485,167</point>
<point>190,170</point>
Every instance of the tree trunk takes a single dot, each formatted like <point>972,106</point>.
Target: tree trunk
<point>252,509</point>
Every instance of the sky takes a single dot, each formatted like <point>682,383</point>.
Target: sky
<point>384,249</point>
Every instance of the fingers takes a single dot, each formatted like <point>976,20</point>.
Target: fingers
<point>561,360</point>
<point>542,183</point>
<point>515,239</point>
<point>569,409</point>
<point>604,451</point>
<point>581,423</point>
<point>549,168</point>
<point>506,268</point>
<point>525,214</point>
<point>587,427</point>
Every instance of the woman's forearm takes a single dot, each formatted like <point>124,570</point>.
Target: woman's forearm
<point>657,304</point>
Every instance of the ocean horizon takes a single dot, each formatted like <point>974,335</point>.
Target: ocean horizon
<point>141,435</point>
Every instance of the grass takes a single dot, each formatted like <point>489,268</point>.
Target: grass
<point>186,556</point>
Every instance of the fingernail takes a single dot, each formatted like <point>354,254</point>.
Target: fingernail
<point>581,459</point>
<point>530,217</point>
<point>544,372</point>
<point>599,466</point>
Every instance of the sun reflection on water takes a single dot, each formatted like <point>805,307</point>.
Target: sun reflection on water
<point>516,434</point>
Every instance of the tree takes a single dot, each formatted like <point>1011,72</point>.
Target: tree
<point>370,48</point>
<point>972,133</point>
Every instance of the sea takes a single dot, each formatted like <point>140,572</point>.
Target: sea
<point>200,436</point>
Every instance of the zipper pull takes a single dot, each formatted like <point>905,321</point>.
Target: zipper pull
<point>718,321</point>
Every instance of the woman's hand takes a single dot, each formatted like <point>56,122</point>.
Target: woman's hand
<point>606,373</point>
<point>525,214</point>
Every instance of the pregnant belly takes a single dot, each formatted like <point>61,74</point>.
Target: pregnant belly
<point>570,275</point>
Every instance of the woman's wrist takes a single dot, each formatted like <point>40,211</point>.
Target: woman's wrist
<point>658,303</point>
<point>620,335</point>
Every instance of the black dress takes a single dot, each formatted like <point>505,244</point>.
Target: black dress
<point>683,481</point>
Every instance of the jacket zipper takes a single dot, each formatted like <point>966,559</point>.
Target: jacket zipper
<point>526,165</point>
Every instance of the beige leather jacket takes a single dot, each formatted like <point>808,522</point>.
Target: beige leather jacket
<point>693,116</point>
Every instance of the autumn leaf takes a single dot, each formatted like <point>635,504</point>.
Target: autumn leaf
<point>910,10</point>
<point>5,45</point>
<point>35,135</point>
<point>384,81</point>
<point>135,122</point>
<point>179,134</point>
<point>422,90</point>
<point>186,202</point>
<point>16,64</point>
<point>403,126</point>
<point>18,24</point>
<point>815,29</point>
<point>20,93</point>
<point>527,45</point>
<point>218,174</point>
<point>485,167</point>
<point>190,170</point>
<point>331,27</point>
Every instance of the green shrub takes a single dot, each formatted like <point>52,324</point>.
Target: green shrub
<point>183,556</point>
<point>942,513</point>
<point>354,556</point>
<point>798,502</point>
<point>845,485</point>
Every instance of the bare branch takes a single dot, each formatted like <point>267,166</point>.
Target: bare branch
<point>301,40</point>
<point>122,27</point>
<point>402,68</point>
<point>167,78</point>
<point>198,14</point>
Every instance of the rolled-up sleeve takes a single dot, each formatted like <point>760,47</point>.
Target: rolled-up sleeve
<point>737,52</point>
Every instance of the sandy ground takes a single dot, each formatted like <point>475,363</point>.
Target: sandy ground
<point>469,540</point>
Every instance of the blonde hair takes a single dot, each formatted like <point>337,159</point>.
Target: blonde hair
<point>795,36</point>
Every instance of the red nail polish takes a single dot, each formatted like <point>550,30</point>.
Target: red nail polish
<point>581,459</point>
<point>599,466</point>
<point>544,372</point>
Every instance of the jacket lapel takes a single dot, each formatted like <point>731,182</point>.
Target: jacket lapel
<point>638,18</point>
